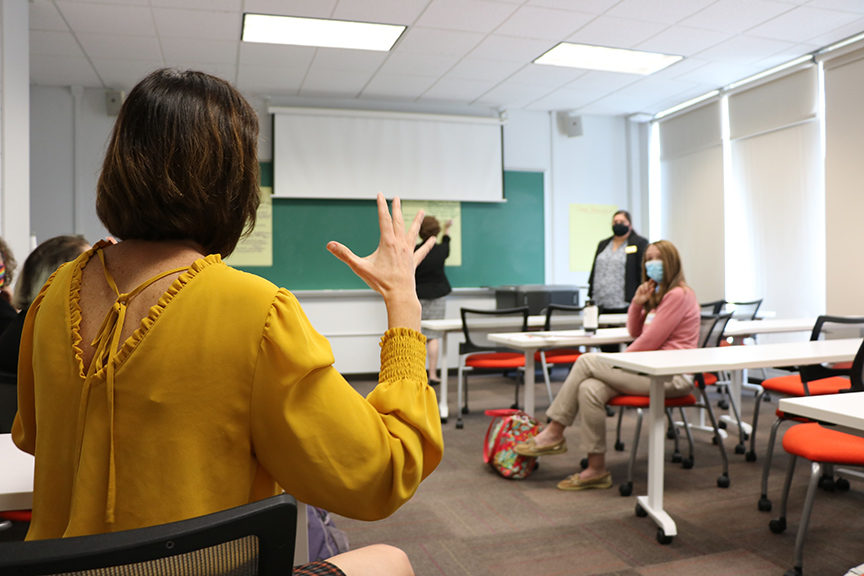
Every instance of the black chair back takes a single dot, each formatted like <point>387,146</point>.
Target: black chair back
<point>856,375</point>
<point>712,307</point>
<point>831,328</point>
<point>256,539</point>
<point>477,324</point>
<point>566,317</point>
<point>742,310</point>
<point>711,329</point>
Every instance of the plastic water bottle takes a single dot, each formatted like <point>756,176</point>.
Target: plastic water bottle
<point>590,317</point>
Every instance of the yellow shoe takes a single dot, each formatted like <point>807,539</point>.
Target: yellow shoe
<point>575,483</point>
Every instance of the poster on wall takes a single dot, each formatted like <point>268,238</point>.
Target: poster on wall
<point>443,211</point>
<point>257,248</point>
<point>589,224</point>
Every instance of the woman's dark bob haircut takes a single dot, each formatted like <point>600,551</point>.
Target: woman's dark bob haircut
<point>182,163</point>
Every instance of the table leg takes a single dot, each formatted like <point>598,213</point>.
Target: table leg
<point>443,410</point>
<point>529,381</point>
<point>652,504</point>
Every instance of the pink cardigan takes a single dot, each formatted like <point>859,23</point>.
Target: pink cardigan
<point>675,325</point>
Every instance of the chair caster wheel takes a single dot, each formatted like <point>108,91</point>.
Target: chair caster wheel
<point>766,398</point>
<point>619,446</point>
<point>796,571</point>
<point>610,412</point>
<point>715,440</point>
<point>514,406</point>
<point>676,457</point>
<point>723,404</point>
<point>723,481</point>
<point>750,456</point>
<point>746,436</point>
<point>443,420</point>
<point>722,425</point>
<point>764,504</point>
<point>459,424</point>
<point>826,483</point>
<point>662,538</point>
<point>687,463</point>
<point>583,463</point>
<point>465,410</point>
<point>778,525</point>
<point>842,484</point>
<point>640,512</point>
<point>671,433</point>
<point>626,489</point>
<point>740,449</point>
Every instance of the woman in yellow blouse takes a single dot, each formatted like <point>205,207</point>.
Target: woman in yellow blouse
<point>167,385</point>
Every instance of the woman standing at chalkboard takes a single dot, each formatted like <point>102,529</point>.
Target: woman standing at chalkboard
<point>432,287</point>
<point>616,272</point>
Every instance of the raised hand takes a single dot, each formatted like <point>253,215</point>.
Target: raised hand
<point>389,270</point>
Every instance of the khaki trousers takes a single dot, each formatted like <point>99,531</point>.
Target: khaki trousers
<point>590,384</point>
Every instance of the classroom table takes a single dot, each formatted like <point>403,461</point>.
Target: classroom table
<point>531,342</point>
<point>660,365</point>
<point>450,325</point>
<point>846,411</point>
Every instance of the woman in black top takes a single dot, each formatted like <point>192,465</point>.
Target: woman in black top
<point>617,269</point>
<point>432,287</point>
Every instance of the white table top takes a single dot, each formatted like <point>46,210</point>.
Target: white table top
<point>16,476</point>
<point>845,410</point>
<point>554,339</point>
<point>454,324</point>
<point>737,328</point>
<point>670,362</point>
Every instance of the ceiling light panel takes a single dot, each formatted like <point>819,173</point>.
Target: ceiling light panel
<point>320,33</point>
<point>606,59</point>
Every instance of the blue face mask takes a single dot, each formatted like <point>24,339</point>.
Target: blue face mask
<point>654,270</point>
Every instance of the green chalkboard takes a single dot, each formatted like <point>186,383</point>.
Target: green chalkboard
<point>502,243</point>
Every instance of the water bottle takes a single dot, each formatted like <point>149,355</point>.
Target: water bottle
<point>590,317</point>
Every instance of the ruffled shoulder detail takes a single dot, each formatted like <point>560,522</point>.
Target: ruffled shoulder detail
<point>166,298</point>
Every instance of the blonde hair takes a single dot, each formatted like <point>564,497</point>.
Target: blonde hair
<point>673,273</point>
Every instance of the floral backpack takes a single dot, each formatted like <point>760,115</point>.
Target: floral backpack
<point>508,428</point>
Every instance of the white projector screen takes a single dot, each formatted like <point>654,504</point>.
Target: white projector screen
<point>323,153</point>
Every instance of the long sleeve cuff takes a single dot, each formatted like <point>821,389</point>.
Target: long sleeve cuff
<point>403,356</point>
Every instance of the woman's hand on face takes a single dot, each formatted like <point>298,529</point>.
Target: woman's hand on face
<point>390,269</point>
<point>645,290</point>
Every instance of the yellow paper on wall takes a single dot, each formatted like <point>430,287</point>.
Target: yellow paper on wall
<point>443,211</point>
<point>589,224</point>
<point>257,248</point>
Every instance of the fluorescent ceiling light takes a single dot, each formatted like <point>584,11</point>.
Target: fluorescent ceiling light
<point>607,59</point>
<point>769,72</point>
<point>320,33</point>
<point>684,105</point>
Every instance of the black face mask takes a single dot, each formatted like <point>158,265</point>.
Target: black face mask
<point>620,229</point>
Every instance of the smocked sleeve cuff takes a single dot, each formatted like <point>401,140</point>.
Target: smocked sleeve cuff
<point>403,356</point>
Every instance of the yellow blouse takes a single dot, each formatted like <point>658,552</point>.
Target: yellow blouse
<point>225,394</point>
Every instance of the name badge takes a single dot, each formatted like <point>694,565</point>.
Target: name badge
<point>630,249</point>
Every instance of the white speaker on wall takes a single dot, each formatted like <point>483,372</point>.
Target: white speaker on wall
<point>571,124</point>
<point>113,101</point>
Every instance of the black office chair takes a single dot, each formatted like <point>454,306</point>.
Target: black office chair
<point>712,307</point>
<point>743,310</point>
<point>256,539</point>
<point>559,317</point>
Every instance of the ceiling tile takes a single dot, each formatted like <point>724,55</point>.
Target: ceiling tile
<point>267,79</point>
<point>543,23</point>
<point>590,6</point>
<point>380,11</point>
<point>44,16</point>
<point>100,18</point>
<point>124,74</point>
<point>843,5</point>
<point>718,74</point>
<point>680,67</point>
<point>510,48</point>
<point>736,15</point>
<point>665,11</point>
<point>334,82</point>
<point>784,56</point>
<point>744,50</point>
<point>358,60</point>
<point>605,81</point>
<point>616,32</point>
<point>50,43</point>
<point>453,90</point>
<point>466,15</point>
<point>300,8</point>
<point>483,70</point>
<point>444,42</point>
<point>385,85</point>
<point>838,34</point>
<point>803,23</point>
<point>62,71</point>
<point>209,5</point>
<point>566,99</point>
<point>200,50</point>
<point>542,75</point>
<point>422,64</point>
<point>682,40</point>
<point>512,96</point>
<point>275,55</point>
<point>120,47</point>
<point>198,24</point>
<point>221,70</point>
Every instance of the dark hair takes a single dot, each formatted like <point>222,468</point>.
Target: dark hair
<point>429,227</point>
<point>626,215</point>
<point>673,273</point>
<point>9,262</point>
<point>43,262</point>
<point>182,163</point>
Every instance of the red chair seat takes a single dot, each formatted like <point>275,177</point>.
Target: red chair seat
<point>791,385</point>
<point>710,379</point>
<point>17,515</point>
<point>496,360</point>
<point>820,444</point>
<point>559,356</point>
<point>780,414</point>
<point>644,401</point>
<point>842,366</point>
